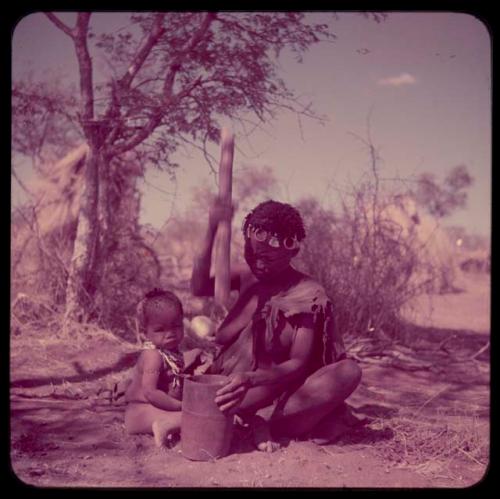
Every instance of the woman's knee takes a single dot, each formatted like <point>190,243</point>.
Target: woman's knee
<point>259,397</point>
<point>349,371</point>
<point>345,373</point>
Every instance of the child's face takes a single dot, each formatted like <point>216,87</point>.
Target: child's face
<point>164,327</point>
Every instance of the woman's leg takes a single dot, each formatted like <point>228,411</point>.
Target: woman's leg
<point>255,399</point>
<point>319,395</point>
<point>259,397</point>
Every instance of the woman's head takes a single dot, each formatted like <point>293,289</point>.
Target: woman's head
<point>163,316</point>
<point>272,231</point>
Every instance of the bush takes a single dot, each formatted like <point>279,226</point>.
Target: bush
<point>39,272</point>
<point>131,270</point>
<point>369,266</point>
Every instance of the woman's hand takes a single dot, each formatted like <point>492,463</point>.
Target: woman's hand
<point>232,393</point>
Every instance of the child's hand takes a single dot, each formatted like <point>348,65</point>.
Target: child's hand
<point>219,211</point>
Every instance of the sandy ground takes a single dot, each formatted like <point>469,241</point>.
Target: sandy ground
<point>467,310</point>
<point>62,436</point>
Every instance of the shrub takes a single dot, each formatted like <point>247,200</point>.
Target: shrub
<point>370,267</point>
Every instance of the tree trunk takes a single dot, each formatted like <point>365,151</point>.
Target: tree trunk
<point>81,280</point>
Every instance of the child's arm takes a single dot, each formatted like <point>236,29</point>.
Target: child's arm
<point>152,365</point>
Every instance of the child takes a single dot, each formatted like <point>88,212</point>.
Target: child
<point>154,395</point>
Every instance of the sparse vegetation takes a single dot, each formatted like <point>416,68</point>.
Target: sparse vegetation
<point>81,261</point>
<point>431,446</point>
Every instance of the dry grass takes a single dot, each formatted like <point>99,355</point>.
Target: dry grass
<point>431,446</point>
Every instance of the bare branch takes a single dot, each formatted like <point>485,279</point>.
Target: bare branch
<point>176,64</point>
<point>168,97</point>
<point>153,38</point>
<point>113,114</point>
<point>208,157</point>
<point>43,135</point>
<point>85,65</point>
<point>172,205</point>
<point>59,24</point>
<point>21,183</point>
<point>139,137</point>
<point>163,191</point>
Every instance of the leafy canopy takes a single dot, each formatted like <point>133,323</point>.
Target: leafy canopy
<point>173,77</point>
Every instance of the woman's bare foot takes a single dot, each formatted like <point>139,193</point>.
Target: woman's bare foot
<point>165,433</point>
<point>335,424</point>
<point>262,435</point>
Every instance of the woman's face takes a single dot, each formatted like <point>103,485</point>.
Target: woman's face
<point>264,261</point>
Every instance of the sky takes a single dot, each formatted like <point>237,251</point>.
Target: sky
<point>421,80</point>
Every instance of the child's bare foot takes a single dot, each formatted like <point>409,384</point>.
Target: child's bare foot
<point>165,433</point>
<point>262,435</point>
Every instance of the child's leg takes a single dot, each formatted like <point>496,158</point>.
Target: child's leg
<point>139,418</point>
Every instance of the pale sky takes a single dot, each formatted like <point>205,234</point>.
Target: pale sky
<point>424,79</point>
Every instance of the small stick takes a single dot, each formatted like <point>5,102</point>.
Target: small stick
<point>439,392</point>
<point>471,457</point>
<point>481,350</point>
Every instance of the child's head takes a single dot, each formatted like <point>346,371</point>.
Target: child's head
<point>163,318</point>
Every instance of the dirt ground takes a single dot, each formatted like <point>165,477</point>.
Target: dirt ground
<point>427,426</point>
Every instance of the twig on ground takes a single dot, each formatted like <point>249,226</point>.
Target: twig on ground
<point>480,351</point>
<point>16,319</point>
<point>471,457</point>
<point>326,451</point>
<point>443,342</point>
<point>439,392</point>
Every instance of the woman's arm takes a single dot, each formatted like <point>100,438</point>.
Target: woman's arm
<point>231,394</point>
<point>202,284</point>
<point>152,366</point>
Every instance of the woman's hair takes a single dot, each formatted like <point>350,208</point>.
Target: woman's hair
<point>158,298</point>
<point>281,218</point>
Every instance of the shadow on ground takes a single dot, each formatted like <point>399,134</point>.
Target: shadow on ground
<point>124,362</point>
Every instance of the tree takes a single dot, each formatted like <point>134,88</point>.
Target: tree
<point>174,76</point>
<point>441,200</point>
<point>44,120</point>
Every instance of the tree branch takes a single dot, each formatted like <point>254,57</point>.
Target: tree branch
<point>113,114</point>
<point>176,64</point>
<point>208,157</point>
<point>125,81</point>
<point>21,183</point>
<point>85,65</point>
<point>154,122</point>
<point>144,51</point>
<point>168,97</point>
<point>59,24</point>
